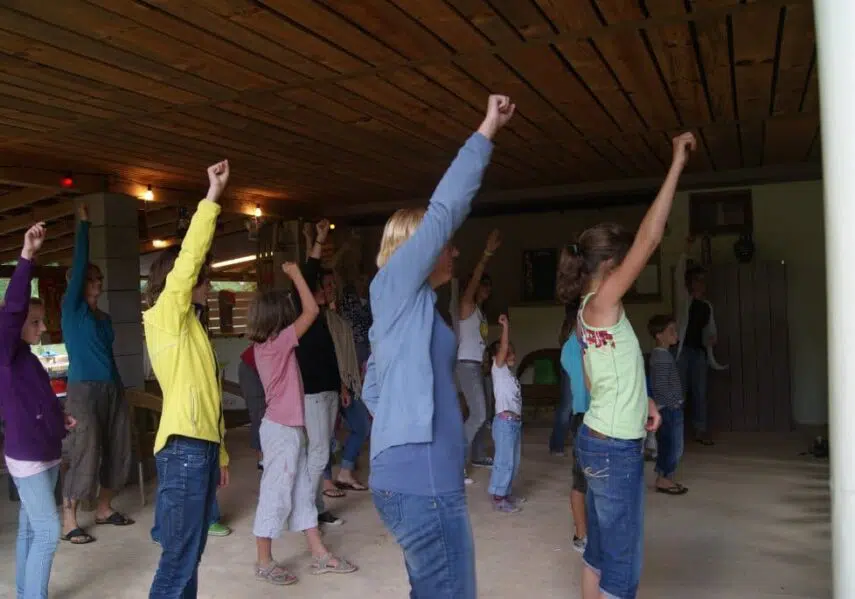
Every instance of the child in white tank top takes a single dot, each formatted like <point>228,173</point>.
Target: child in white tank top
<point>507,424</point>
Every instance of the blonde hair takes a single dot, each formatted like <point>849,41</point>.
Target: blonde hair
<point>399,228</point>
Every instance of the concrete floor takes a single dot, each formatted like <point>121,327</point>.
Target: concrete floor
<point>754,525</point>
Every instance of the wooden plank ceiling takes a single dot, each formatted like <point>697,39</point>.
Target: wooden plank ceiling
<point>325,104</point>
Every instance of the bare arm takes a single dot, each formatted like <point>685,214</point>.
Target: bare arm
<point>307,299</point>
<point>504,342</point>
<point>467,301</point>
<point>604,306</point>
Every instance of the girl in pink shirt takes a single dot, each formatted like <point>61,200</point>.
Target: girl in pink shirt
<point>287,497</point>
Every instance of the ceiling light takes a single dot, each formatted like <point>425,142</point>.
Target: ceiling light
<point>148,194</point>
<point>332,226</point>
<point>160,243</point>
<point>233,261</point>
<point>257,211</point>
<point>67,181</point>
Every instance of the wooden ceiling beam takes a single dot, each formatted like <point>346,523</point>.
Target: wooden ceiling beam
<point>24,197</point>
<point>24,221</point>
<point>49,178</point>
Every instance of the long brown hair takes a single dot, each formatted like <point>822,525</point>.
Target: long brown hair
<point>161,268</point>
<point>269,314</point>
<point>580,261</point>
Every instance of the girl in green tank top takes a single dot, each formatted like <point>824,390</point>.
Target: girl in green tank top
<point>600,268</point>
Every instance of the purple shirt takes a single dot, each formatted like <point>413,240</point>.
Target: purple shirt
<point>33,417</point>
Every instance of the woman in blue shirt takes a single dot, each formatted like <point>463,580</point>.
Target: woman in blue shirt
<point>99,448</point>
<point>418,446</point>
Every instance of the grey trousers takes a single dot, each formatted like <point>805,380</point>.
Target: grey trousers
<point>98,449</point>
<point>470,377</point>
<point>321,411</point>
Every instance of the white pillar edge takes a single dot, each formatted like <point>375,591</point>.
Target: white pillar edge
<point>835,23</point>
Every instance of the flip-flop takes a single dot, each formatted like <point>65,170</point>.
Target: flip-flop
<point>350,486</point>
<point>334,493</point>
<point>675,490</point>
<point>116,519</point>
<point>78,533</point>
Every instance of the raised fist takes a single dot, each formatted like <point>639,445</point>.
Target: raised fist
<point>684,144</point>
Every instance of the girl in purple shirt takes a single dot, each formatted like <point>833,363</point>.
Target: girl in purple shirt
<point>34,423</point>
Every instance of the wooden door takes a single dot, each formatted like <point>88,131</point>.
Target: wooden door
<point>753,394</point>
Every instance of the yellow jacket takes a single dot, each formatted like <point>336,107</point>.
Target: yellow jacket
<point>179,349</point>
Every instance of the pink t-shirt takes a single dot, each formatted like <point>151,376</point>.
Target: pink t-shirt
<point>279,372</point>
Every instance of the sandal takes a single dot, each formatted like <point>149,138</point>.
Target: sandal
<point>350,486</point>
<point>275,574</point>
<point>323,565</point>
<point>336,493</point>
<point>116,519</point>
<point>78,536</point>
<point>677,489</point>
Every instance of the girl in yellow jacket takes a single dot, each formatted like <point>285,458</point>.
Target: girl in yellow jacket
<point>189,450</point>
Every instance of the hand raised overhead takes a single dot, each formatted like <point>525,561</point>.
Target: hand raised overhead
<point>218,178</point>
<point>500,109</point>
<point>684,144</point>
<point>34,238</point>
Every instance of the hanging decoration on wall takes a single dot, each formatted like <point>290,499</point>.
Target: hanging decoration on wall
<point>183,222</point>
<point>744,248</point>
<point>253,223</point>
<point>706,251</point>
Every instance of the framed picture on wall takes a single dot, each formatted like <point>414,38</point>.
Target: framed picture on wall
<point>648,285</point>
<point>538,277</point>
<point>721,212</point>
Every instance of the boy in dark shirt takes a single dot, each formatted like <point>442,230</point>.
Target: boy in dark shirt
<point>667,391</point>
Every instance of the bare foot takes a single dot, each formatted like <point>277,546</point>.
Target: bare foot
<point>331,490</point>
<point>346,480</point>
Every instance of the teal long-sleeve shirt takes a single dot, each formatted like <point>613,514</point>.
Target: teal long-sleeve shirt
<point>88,334</point>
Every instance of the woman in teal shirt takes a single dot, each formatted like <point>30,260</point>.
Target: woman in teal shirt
<point>98,450</point>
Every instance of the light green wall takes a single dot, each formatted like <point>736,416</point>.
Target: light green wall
<point>788,226</point>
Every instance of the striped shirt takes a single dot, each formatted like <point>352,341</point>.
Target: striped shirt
<point>665,386</point>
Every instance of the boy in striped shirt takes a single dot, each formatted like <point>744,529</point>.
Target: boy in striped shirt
<point>667,391</point>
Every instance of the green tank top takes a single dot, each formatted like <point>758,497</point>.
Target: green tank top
<point>615,370</point>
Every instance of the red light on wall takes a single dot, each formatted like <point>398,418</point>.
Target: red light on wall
<point>67,182</point>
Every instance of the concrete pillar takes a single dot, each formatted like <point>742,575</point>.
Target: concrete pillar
<point>835,22</point>
<point>114,245</point>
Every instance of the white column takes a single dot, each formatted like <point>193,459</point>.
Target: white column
<point>835,23</point>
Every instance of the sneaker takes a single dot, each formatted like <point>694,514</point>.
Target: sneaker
<point>219,530</point>
<point>558,454</point>
<point>580,544</point>
<point>329,519</point>
<point>503,505</point>
<point>466,479</point>
<point>483,463</point>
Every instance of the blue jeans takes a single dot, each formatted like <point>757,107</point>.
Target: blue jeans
<point>563,415</point>
<point>693,368</point>
<point>507,437</point>
<point>214,517</point>
<point>669,439</point>
<point>358,421</point>
<point>38,533</point>
<point>187,476</point>
<point>436,538</point>
<point>614,508</point>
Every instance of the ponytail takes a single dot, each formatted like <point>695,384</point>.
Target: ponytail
<point>572,276</point>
